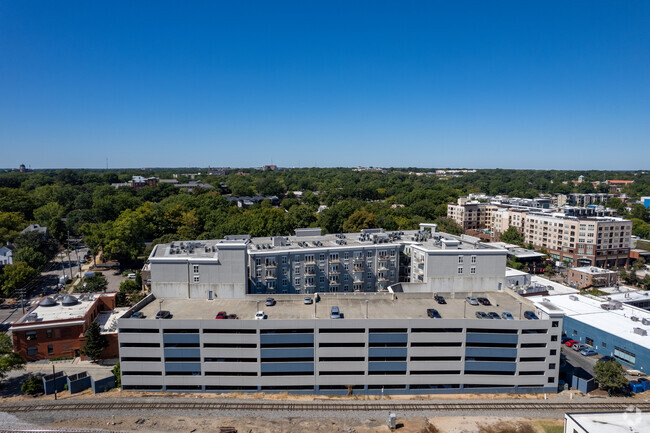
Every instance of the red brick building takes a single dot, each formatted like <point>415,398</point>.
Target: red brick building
<point>55,327</point>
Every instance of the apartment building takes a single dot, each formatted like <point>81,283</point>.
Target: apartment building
<point>385,344</point>
<point>602,241</point>
<point>311,262</point>
<point>591,276</point>
<point>470,215</point>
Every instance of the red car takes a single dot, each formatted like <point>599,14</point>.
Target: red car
<point>222,315</point>
<point>570,343</point>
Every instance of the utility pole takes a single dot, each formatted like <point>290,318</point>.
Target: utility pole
<point>69,264</point>
<point>54,380</point>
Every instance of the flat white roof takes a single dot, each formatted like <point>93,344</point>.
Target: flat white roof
<point>107,320</point>
<point>588,311</point>
<point>510,272</point>
<point>628,296</point>
<point>637,422</point>
<point>593,270</point>
<point>555,288</point>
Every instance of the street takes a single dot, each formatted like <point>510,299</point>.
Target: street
<point>575,359</point>
<point>46,284</point>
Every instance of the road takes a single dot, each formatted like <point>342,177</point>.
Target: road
<point>575,359</point>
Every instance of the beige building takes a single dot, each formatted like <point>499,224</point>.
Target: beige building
<point>504,218</point>
<point>471,215</point>
<point>600,241</point>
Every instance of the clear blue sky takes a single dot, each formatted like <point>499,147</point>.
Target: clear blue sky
<point>512,84</point>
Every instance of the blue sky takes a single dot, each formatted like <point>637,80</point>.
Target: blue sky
<point>482,84</point>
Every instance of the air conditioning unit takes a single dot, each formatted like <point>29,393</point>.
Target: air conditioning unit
<point>640,331</point>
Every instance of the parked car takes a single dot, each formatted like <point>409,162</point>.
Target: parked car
<point>222,315</point>
<point>138,315</point>
<point>565,339</point>
<point>471,301</point>
<point>308,300</point>
<point>578,347</point>
<point>232,316</point>
<point>588,352</point>
<point>270,302</point>
<point>570,343</point>
<point>439,299</point>
<point>494,315</point>
<point>530,315</point>
<point>163,314</point>
<point>607,358</point>
<point>482,315</point>
<point>484,301</point>
<point>335,313</point>
<point>433,313</point>
<point>507,316</point>
<point>260,315</point>
<point>131,276</point>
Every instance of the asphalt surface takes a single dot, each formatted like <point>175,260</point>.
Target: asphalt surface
<point>576,360</point>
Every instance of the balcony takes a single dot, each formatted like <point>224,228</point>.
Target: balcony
<point>310,271</point>
<point>358,259</point>
<point>271,264</point>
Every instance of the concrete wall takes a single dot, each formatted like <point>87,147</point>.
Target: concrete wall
<point>324,356</point>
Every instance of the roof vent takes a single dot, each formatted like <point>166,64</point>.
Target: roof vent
<point>48,302</point>
<point>640,331</point>
<point>646,322</point>
<point>69,300</point>
<point>634,319</point>
<point>31,317</point>
<point>573,297</point>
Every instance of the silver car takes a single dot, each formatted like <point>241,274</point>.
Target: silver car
<point>578,347</point>
<point>471,300</point>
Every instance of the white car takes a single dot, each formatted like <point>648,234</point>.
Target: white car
<point>260,315</point>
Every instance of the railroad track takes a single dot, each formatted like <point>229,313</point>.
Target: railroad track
<point>331,407</point>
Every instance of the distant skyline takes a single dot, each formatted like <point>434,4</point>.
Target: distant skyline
<point>467,84</point>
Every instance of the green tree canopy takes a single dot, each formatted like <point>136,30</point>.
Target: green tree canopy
<point>9,360</point>
<point>610,375</point>
<point>512,236</point>
<point>15,276</point>
<point>359,220</point>
<point>95,342</point>
<point>29,255</point>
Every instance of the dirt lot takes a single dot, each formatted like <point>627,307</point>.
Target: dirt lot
<point>318,425</point>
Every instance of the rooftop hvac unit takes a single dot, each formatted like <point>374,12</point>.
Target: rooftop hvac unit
<point>634,319</point>
<point>31,317</point>
<point>573,297</point>
<point>640,331</point>
<point>646,322</point>
<point>171,251</point>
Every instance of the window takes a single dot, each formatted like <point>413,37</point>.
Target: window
<point>604,344</point>
<point>296,271</point>
<point>50,349</point>
<point>30,335</point>
<point>472,270</point>
<point>196,269</point>
<point>624,355</point>
<point>258,273</point>
<point>284,260</point>
<point>369,254</point>
<point>284,282</point>
<point>346,255</point>
<point>32,351</point>
<point>575,332</point>
<point>196,278</point>
<point>589,341</point>
<point>369,274</point>
<point>460,271</point>
<point>460,260</point>
<point>334,256</point>
<point>555,324</point>
<point>551,366</point>
<point>553,337</point>
<point>48,333</point>
<point>551,380</point>
<point>258,262</point>
<point>473,259</point>
<point>322,257</point>
<point>553,352</point>
<point>322,278</point>
<point>297,281</point>
<point>392,253</point>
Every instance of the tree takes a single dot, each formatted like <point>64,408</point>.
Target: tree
<point>9,360</point>
<point>95,342</point>
<point>448,225</point>
<point>41,242</point>
<point>30,256</point>
<point>512,236</point>
<point>32,385</point>
<point>96,283</point>
<point>117,372</point>
<point>610,375</point>
<point>361,219</point>
<point>11,223</point>
<point>15,276</point>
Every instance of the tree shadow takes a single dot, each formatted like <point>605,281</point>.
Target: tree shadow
<point>10,387</point>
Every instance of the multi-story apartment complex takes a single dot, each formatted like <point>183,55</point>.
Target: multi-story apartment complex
<point>310,262</point>
<point>470,214</point>
<point>601,241</point>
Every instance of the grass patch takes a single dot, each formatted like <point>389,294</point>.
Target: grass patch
<point>552,427</point>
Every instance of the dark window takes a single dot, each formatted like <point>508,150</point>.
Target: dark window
<point>532,359</point>
<point>533,331</point>
<point>437,344</point>
<point>531,373</point>
<point>288,388</point>
<point>180,331</point>
<point>532,345</point>
<point>286,331</point>
<point>183,387</point>
<point>50,349</point>
<point>48,333</point>
<point>384,373</point>
<point>553,352</point>
<point>386,386</point>
<point>139,359</point>
<point>551,379</point>
<point>229,359</point>
<point>139,344</point>
<point>551,366</point>
<point>182,345</point>
<point>229,331</point>
<point>341,359</point>
<point>285,359</point>
<point>386,344</point>
<point>555,324</point>
<point>553,337</point>
<point>138,331</point>
<point>230,345</point>
<point>589,341</point>
<point>30,335</point>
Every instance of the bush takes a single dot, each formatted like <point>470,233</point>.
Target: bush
<point>117,372</point>
<point>96,283</point>
<point>32,385</point>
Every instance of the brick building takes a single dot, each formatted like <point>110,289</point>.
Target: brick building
<point>591,276</point>
<point>55,327</point>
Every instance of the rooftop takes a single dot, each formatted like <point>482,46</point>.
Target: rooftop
<point>593,270</point>
<point>588,310</point>
<point>618,422</point>
<point>313,239</point>
<point>353,306</point>
<point>41,312</point>
<point>107,320</point>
